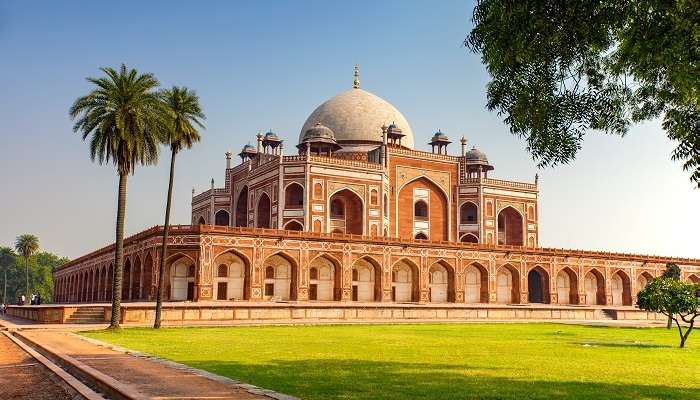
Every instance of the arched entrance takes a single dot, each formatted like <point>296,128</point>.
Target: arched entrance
<point>126,280</point>
<point>202,221</point>
<point>294,196</point>
<point>507,285</point>
<point>438,283</point>
<point>594,287</point>
<point>136,279</point>
<point>468,213</point>
<point>476,286</point>
<point>263,212</point>
<point>404,285</point>
<point>469,238</point>
<point>280,278</point>
<point>293,226</point>
<point>510,227</point>
<point>694,278</point>
<point>324,280</point>
<point>366,276</point>
<point>346,212</point>
<point>231,280</point>
<point>182,279</point>
<point>432,220</point>
<point>221,218</point>
<point>538,285</point>
<point>241,217</point>
<point>643,280</point>
<point>147,291</point>
<point>567,287</point>
<point>620,287</point>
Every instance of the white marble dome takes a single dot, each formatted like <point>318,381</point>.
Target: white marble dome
<point>356,116</point>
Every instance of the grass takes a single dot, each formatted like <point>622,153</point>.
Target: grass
<point>465,361</point>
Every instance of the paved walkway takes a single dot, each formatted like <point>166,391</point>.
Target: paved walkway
<point>143,376</point>
<point>23,377</point>
<point>151,378</point>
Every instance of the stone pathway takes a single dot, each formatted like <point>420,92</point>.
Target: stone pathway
<point>140,375</point>
<point>23,377</point>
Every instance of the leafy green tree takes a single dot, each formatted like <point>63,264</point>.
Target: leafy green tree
<point>41,268</point>
<point>672,271</point>
<point>126,121</point>
<point>7,260</point>
<point>676,299</point>
<point>26,245</point>
<point>560,69</point>
<point>185,116</point>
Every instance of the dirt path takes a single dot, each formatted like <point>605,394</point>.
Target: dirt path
<point>23,377</point>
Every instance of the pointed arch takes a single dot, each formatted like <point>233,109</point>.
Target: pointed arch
<point>136,279</point>
<point>476,285</point>
<point>469,238</point>
<point>181,282</point>
<point>95,282</point>
<point>538,285</point>
<point>293,225</point>
<point>126,280</point>
<point>507,285</point>
<point>643,279</point>
<point>421,236</point>
<point>405,281</point>
<point>436,225</point>
<point>325,284</point>
<point>221,218</point>
<point>110,282</point>
<point>241,213</point>
<point>594,287</point>
<point>441,282</point>
<point>293,196</point>
<point>694,278</point>
<point>620,288</point>
<point>147,290</point>
<point>366,279</point>
<point>234,282</point>
<point>510,227</point>
<point>201,221</point>
<point>263,216</point>
<point>468,213</point>
<point>282,284</point>
<point>346,211</point>
<point>567,286</point>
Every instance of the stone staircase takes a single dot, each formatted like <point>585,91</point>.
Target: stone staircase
<point>610,315</point>
<point>87,315</point>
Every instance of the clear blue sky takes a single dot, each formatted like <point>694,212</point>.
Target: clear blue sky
<point>268,64</point>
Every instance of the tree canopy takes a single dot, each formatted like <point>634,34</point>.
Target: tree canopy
<point>560,69</point>
<point>41,268</point>
<point>674,298</point>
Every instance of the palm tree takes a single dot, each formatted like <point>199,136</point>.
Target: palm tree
<point>126,121</point>
<point>26,245</point>
<point>185,116</point>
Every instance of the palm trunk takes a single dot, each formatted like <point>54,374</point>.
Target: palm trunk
<point>163,249</point>
<point>119,254</point>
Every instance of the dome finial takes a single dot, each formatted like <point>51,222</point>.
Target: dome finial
<point>356,74</point>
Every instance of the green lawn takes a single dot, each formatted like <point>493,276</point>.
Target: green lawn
<point>470,361</point>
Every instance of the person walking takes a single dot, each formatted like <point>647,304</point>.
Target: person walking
<point>22,299</point>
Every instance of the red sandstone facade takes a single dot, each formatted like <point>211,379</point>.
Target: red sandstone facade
<point>359,215</point>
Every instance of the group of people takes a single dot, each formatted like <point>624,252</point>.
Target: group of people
<point>35,300</point>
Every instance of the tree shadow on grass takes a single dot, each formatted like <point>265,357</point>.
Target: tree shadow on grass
<point>362,379</point>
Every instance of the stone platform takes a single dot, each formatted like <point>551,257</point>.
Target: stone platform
<point>183,313</point>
